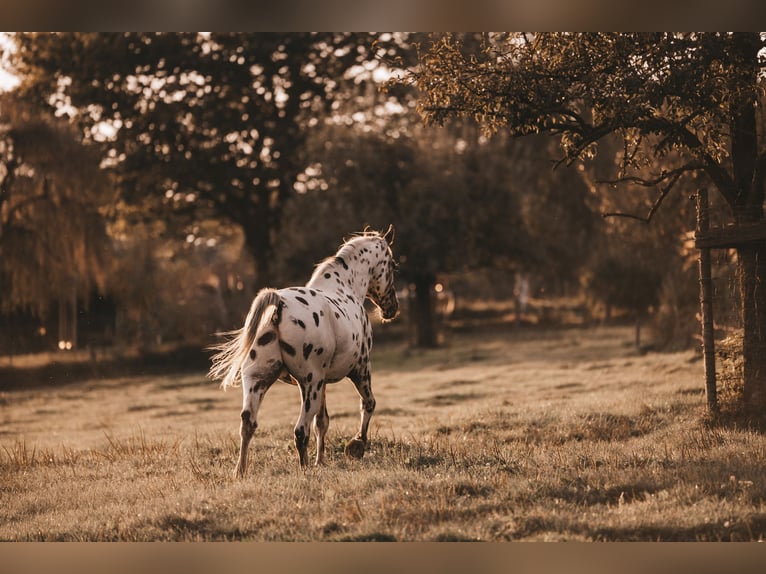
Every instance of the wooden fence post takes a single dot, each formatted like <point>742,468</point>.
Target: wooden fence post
<point>706,303</point>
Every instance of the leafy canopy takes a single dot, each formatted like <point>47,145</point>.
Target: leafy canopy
<point>203,124</point>
<point>662,93</point>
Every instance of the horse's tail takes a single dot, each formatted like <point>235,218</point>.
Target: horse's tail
<point>227,362</point>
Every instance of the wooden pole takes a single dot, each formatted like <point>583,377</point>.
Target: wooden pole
<point>706,303</point>
<point>73,335</point>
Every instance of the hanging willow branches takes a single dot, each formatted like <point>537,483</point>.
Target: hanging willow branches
<point>53,199</point>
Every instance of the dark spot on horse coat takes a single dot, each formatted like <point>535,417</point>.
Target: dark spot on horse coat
<point>316,319</point>
<point>320,350</point>
<point>309,377</point>
<point>266,338</point>
<point>278,315</point>
<point>300,437</point>
<point>287,348</point>
<point>252,354</point>
<point>300,323</point>
<point>308,404</point>
<point>302,300</point>
<point>342,262</point>
<point>307,350</point>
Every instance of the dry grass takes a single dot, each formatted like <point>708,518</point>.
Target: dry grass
<point>519,435</point>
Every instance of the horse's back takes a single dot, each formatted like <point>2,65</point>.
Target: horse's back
<point>316,334</point>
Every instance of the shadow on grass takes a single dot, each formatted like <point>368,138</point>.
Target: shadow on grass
<point>182,360</point>
<point>370,537</point>
<point>582,494</point>
<point>750,529</point>
<point>182,529</point>
<point>745,530</point>
<point>734,416</point>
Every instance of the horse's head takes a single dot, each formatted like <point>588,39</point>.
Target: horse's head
<point>382,289</point>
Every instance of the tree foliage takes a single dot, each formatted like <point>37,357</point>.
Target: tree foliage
<point>53,205</point>
<point>691,100</point>
<point>454,199</point>
<point>202,123</point>
<point>661,93</point>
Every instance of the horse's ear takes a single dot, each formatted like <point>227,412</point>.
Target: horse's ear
<point>390,234</point>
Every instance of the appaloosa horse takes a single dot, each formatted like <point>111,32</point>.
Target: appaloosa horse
<point>312,336</point>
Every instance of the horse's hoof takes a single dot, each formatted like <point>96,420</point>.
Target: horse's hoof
<point>355,448</point>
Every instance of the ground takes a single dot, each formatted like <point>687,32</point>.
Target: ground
<point>514,434</point>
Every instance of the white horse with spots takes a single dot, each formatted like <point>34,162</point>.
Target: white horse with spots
<point>312,336</point>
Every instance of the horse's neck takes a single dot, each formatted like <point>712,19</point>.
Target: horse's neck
<point>350,267</point>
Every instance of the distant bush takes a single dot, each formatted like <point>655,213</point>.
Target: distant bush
<point>675,325</point>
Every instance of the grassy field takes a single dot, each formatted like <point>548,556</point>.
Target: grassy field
<point>510,435</point>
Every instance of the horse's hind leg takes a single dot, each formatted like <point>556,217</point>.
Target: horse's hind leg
<point>321,424</point>
<point>363,383</point>
<point>254,387</point>
<point>246,430</point>
<point>312,404</point>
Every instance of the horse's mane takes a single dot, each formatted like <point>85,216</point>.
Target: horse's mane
<point>350,241</point>
<point>346,249</point>
<point>366,233</point>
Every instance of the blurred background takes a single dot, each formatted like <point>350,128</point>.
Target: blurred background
<point>150,184</point>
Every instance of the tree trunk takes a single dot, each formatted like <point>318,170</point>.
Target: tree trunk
<point>748,208</point>
<point>423,310</point>
<point>258,244</point>
<point>752,282</point>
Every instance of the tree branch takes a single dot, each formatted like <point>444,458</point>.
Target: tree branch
<point>673,174</point>
<point>672,178</point>
<point>590,135</point>
<point>13,209</point>
<point>712,168</point>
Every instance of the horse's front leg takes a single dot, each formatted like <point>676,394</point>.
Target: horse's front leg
<point>363,383</point>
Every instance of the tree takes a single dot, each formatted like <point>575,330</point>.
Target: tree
<point>209,124</point>
<point>53,203</point>
<point>627,283</point>
<point>169,289</point>
<point>691,97</point>
<point>558,211</point>
<point>450,201</point>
